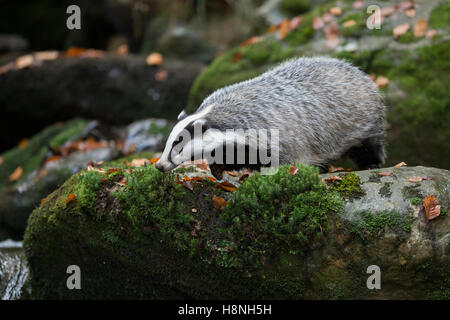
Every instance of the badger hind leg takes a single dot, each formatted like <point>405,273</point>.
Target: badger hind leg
<point>369,154</point>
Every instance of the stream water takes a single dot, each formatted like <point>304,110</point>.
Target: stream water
<point>13,270</point>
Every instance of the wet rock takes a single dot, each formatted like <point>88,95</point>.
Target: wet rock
<point>12,43</point>
<point>13,271</point>
<point>281,236</point>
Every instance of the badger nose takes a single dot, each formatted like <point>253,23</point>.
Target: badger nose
<point>159,166</point>
<point>162,165</point>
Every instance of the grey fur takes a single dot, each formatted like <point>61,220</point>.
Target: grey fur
<point>323,108</point>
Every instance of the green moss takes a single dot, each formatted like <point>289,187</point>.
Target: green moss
<point>385,190</point>
<point>372,224</point>
<point>440,17</point>
<point>412,192</point>
<point>361,59</point>
<point>303,33</point>
<point>357,30</point>
<point>295,7</point>
<point>415,201</point>
<point>350,186</point>
<point>408,37</point>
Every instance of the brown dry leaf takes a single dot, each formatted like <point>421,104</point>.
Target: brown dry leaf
<point>24,61</point>
<point>295,23</point>
<point>317,23</point>
<point>122,182</point>
<point>332,35</point>
<point>140,162</point>
<point>273,28</point>
<point>211,179</point>
<point>46,55</point>
<point>386,12</point>
<point>154,59</point>
<point>420,28</point>
<point>430,33</point>
<point>232,173</point>
<point>401,164</point>
<point>219,202</point>
<point>93,53</point>
<point>385,174</point>
<point>52,158</point>
<point>427,178</point>
<point>74,52</point>
<point>381,81</point>
<point>123,49</point>
<point>293,170</point>
<point>227,186</point>
<point>43,200</point>
<point>332,169</point>
<point>327,17</point>
<point>372,76</point>
<point>284,29</point>
<point>16,174</point>
<point>336,11</point>
<point>400,29</point>
<point>70,198</point>
<point>244,174</point>
<point>23,143</point>
<point>202,165</point>
<point>432,207</point>
<point>410,13</point>
<point>236,57</point>
<point>91,168</point>
<point>349,23</point>
<point>154,160</point>
<point>332,179</point>
<point>414,179</point>
<point>161,75</point>
<point>358,4</point>
<point>250,41</point>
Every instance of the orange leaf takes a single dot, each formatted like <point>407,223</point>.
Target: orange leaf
<point>236,57</point>
<point>211,179</point>
<point>420,28</point>
<point>43,200</point>
<point>219,202</point>
<point>273,28</point>
<point>16,174</point>
<point>74,52</point>
<point>24,61</point>
<point>332,169</point>
<point>154,160</point>
<point>252,40</point>
<point>432,207</point>
<point>23,143</point>
<point>349,23</point>
<point>202,165</point>
<point>295,23</point>
<point>227,186</point>
<point>154,59</point>
<point>336,11</point>
<point>385,174</point>
<point>401,164</point>
<point>161,75</point>
<point>196,178</point>
<point>52,158</point>
<point>138,162</point>
<point>381,81</point>
<point>332,35</point>
<point>293,170</point>
<point>70,198</point>
<point>400,29</point>
<point>232,173</point>
<point>46,55</point>
<point>430,33</point>
<point>410,13</point>
<point>112,170</point>
<point>332,179</point>
<point>414,179</point>
<point>284,29</point>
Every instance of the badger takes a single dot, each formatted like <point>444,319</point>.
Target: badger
<point>321,108</point>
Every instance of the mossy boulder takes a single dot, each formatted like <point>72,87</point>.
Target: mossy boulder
<point>116,90</point>
<point>417,95</point>
<point>46,160</point>
<point>140,233</point>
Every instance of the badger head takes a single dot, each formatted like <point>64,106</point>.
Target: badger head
<point>199,137</point>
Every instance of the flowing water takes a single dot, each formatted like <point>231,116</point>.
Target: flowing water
<point>13,270</point>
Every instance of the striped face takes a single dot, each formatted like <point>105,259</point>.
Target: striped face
<point>186,141</point>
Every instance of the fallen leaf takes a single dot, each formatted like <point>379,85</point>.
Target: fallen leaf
<point>317,23</point>
<point>385,174</point>
<point>70,198</point>
<point>293,170</point>
<point>400,29</point>
<point>154,160</point>
<point>43,200</point>
<point>93,53</point>
<point>410,13</point>
<point>332,35</point>
<point>139,162</point>
<point>284,29</point>
<point>401,164</point>
<point>332,179</point>
<point>123,49</point>
<point>414,179</point>
<point>273,28</point>
<point>349,23</point>
<point>161,75</point>
<point>46,55</point>
<point>332,169</point>
<point>202,165</point>
<point>244,175</point>
<point>122,182</point>
<point>250,41</point>
<point>430,34</point>
<point>381,81</point>
<point>219,202</point>
<point>24,61</point>
<point>232,173</point>
<point>154,59</point>
<point>194,210</point>
<point>420,28</point>
<point>227,186</point>
<point>427,178</point>
<point>358,4</point>
<point>336,11</point>
<point>372,76</point>
<point>16,174</point>
<point>52,158</point>
<point>74,52</point>
<point>112,170</point>
<point>387,11</point>
<point>211,179</point>
<point>23,143</point>
<point>295,23</point>
<point>432,207</point>
<point>327,17</point>
<point>197,179</point>
<point>236,57</point>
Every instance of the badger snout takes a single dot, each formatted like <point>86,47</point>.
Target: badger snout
<point>163,166</point>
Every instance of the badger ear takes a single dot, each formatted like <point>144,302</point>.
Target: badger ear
<point>199,122</point>
<point>182,115</point>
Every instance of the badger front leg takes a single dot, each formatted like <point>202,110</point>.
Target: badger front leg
<point>217,170</point>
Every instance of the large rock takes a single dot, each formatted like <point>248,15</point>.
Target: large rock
<point>145,234</point>
<point>417,95</point>
<point>58,152</point>
<point>112,89</point>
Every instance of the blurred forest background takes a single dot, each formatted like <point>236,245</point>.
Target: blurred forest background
<point>114,87</point>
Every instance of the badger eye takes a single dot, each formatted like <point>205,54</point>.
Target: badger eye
<point>180,138</point>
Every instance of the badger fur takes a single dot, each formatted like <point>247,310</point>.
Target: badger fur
<point>324,109</point>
